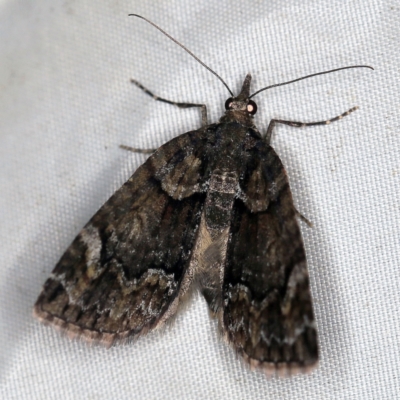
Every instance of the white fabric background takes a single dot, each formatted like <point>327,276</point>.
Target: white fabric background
<point>66,104</point>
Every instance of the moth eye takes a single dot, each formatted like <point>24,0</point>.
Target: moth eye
<point>251,107</point>
<point>228,103</point>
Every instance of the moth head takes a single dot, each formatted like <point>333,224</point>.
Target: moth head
<point>242,102</point>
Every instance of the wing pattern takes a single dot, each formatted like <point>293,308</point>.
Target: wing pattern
<point>127,269</point>
<point>267,313</point>
<point>212,206</point>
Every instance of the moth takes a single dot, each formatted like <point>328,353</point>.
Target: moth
<point>211,209</point>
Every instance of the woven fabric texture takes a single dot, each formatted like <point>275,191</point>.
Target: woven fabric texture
<point>66,104</point>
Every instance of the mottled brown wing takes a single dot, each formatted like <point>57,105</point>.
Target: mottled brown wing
<point>127,269</point>
<point>267,313</point>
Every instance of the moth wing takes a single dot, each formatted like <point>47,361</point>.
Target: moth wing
<point>126,271</point>
<point>267,313</point>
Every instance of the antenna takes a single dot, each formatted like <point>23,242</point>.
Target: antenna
<point>184,48</point>
<point>309,76</point>
<point>213,72</point>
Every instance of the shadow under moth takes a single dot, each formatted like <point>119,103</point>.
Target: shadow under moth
<point>212,210</point>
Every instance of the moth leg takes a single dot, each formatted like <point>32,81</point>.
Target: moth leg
<point>272,123</point>
<point>303,218</point>
<point>180,105</point>
<point>135,150</point>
